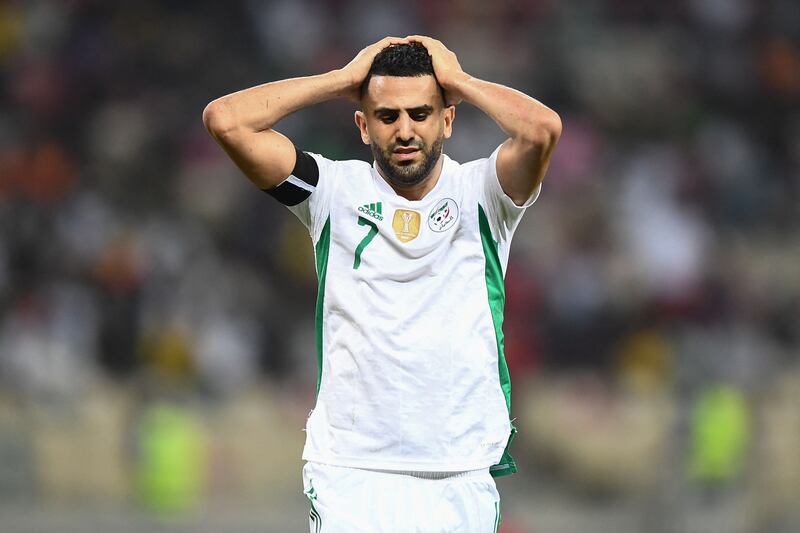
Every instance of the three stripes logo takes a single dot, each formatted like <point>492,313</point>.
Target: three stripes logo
<point>314,519</point>
<point>374,210</point>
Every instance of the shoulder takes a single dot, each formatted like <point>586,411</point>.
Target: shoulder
<point>349,166</point>
<point>477,167</point>
<point>356,165</point>
<point>482,163</point>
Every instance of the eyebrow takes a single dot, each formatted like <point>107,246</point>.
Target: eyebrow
<point>419,109</point>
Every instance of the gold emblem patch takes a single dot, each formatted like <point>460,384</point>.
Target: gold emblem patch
<point>406,224</point>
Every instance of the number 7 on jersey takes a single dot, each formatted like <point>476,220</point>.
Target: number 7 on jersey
<point>373,230</point>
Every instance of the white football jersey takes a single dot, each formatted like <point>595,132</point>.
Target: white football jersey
<point>409,316</point>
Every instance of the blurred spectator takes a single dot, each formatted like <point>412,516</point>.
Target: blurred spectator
<point>721,436</point>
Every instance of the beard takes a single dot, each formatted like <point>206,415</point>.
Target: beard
<point>407,173</point>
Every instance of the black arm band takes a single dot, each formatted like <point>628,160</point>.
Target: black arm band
<point>300,184</point>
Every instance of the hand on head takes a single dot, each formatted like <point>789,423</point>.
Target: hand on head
<point>446,67</point>
<point>357,69</point>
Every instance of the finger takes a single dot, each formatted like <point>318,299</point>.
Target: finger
<point>418,39</point>
<point>388,41</point>
<point>427,42</point>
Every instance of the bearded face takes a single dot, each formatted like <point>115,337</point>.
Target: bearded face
<point>404,120</point>
<point>407,172</point>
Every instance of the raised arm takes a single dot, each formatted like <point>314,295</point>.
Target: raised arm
<point>242,122</point>
<point>533,128</point>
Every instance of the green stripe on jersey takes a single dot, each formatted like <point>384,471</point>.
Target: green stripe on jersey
<point>321,251</point>
<point>497,299</point>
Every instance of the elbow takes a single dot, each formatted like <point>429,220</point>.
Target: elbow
<point>217,120</point>
<point>553,127</point>
<point>546,131</point>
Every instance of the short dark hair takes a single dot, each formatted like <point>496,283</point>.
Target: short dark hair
<point>404,60</point>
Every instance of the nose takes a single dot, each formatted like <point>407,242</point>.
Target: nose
<point>405,129</point>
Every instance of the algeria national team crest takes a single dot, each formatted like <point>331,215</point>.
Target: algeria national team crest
<point>406,224</point>
<point>443,215</point>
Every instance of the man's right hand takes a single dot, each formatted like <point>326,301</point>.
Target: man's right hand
<point>242,122</point>
<point>356,70</point>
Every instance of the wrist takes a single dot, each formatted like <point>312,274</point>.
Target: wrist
<point>455,86</point>
<point>456,83</point>
<point>341,82</point>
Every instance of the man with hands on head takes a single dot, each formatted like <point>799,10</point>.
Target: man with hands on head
<point>413,411</point>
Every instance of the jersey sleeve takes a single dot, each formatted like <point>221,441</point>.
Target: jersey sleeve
<point>501,211</point>
<point>308,190</point>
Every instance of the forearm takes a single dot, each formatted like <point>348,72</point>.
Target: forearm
<point>259,108</point>
<point>521,117</point>
<point>533,130</point>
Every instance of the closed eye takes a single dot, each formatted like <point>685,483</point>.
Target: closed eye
<point>417,114</point>
<point>387,117</point>
<point>420,113</point>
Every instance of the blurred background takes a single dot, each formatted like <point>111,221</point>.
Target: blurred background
<point>157,356</point>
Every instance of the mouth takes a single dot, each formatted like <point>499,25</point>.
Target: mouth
<point>405,154</point>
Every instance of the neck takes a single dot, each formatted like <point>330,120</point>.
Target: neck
<point>419,190</point>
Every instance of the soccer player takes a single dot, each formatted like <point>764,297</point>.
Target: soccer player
<point>412,416</point>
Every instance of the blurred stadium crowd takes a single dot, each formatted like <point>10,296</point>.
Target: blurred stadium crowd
<point>153,302</point>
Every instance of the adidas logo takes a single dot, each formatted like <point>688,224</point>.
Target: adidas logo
<point>373,210</point>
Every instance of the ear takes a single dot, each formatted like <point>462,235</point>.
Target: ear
<point>361,123</point>
<point>449,117</point>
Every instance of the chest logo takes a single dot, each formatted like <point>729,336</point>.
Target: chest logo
<point>443,215</point>
<point>375,210</point>
<point>406,224</point>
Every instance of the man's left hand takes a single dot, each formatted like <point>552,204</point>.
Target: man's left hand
<point>446,67</point>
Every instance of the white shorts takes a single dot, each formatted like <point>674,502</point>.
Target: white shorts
<point>353,500</point>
